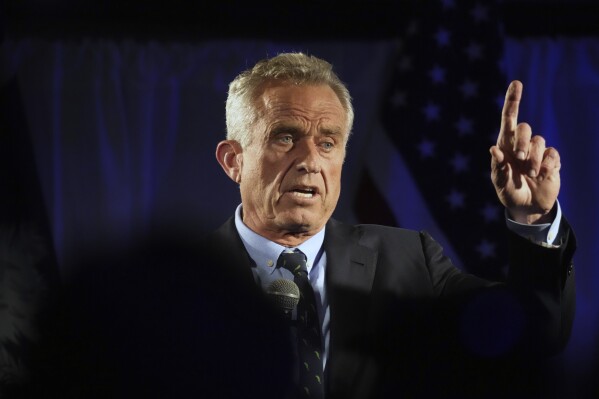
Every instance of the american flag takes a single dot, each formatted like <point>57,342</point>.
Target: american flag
<point>440,115</point>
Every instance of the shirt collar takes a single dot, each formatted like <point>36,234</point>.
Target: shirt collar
<point>265,252</point>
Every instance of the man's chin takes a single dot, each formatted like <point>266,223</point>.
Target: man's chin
<point>302,224</point>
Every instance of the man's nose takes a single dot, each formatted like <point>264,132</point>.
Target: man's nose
<point>308,157</point>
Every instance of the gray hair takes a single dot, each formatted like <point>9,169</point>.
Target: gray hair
<point>297,68</point>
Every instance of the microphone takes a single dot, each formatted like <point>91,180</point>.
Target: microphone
<point>285,296</point>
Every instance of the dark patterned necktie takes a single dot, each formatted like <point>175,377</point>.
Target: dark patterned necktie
<point>309,344</point>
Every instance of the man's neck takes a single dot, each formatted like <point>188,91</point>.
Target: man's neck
<point>291,237</point>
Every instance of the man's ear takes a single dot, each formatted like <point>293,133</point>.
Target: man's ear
<point>229,156</point>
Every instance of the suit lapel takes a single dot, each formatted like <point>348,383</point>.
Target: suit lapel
<point>349,279</point>
<point>349,265</point>
<point>228,252</point>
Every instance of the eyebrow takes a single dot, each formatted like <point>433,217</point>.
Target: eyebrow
<point>285,129</point>
<point>295,130</point>
<point>332,132</point>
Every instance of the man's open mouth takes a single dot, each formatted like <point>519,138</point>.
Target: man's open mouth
<point>304,192</point>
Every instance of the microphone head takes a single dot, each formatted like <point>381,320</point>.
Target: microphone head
<point>284,294</point>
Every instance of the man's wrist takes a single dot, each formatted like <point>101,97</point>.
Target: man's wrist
<point>525,218</point>
<point>542,233</point>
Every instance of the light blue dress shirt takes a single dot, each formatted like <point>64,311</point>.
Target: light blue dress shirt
<point>265,253</point>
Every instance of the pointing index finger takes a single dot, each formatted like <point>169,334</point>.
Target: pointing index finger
<point>509,115</point>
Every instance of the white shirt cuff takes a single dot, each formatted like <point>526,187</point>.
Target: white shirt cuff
<point>544,233</point>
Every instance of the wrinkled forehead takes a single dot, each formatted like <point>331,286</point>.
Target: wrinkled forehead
<point>282,98</point>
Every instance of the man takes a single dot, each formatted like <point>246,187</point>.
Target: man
<point>392,309</point>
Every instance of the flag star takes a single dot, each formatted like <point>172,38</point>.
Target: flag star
<point>464,126</point>
<point>469,89</point>
<point>448,3</point>
<point>456,199</point>
<point>459,163</point>
<point>480,13</point>
<point>405,63</point>
<point>490,212</point>
<point>431,111</point>
<point>474,51</point>
<point>398,99</point>
<point>437,74</point>
<point>442,37</point>
<point>427,148</point>
<point>486,249</point>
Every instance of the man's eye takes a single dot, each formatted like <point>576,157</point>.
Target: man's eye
<point>286,139</point>
<point>327,145</point>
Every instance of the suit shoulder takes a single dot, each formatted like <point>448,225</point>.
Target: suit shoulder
<point>386,230</point>
<point>374,235</point>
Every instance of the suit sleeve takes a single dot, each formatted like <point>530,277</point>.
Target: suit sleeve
<point>532,312</point>
<point>543,278</point>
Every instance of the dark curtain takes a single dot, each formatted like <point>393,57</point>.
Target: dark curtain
<point>124,133</point>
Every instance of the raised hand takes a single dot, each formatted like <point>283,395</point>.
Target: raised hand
<point>525,173</point>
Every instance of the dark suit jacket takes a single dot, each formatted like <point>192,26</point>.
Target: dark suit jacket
<point>405,320</point>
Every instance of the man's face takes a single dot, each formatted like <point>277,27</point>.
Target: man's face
<point>291,171</point>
